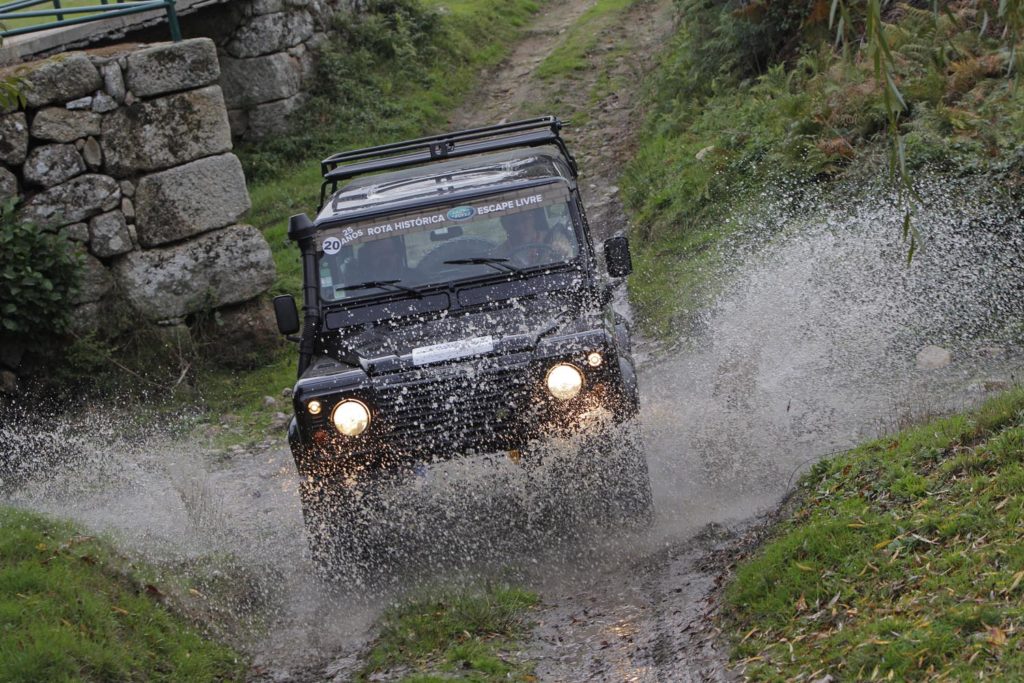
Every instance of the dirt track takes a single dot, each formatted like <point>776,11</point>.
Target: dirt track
<point>623,55</point>
<point>644,615</point>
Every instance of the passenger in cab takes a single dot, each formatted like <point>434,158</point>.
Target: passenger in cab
<point>530,241</point>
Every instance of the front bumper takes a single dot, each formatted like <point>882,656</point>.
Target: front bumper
<point>489,405</point>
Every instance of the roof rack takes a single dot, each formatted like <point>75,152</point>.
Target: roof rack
<point>526,133</point>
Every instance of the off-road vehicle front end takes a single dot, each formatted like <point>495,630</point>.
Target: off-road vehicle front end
<point>453,305</point>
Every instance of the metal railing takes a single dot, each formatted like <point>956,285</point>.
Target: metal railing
<point>105,10</point>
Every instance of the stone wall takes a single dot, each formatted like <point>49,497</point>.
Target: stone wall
<point>266,50</point>
<point>127,151</point>
<point>267,60</point>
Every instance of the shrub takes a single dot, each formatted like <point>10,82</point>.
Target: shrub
<point>39,273</point>
<point>726,42</point>
<point>389,45</point>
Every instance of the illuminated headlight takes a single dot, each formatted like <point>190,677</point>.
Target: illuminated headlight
<point>594,359</point>
<point>351,417</point>
<point>314,407</point>
<point>564,381</point>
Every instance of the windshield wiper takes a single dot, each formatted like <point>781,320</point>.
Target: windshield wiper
<point>552,325</point>
<point>387,285</point>
<point>499,264</point>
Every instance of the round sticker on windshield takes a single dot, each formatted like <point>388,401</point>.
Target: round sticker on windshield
<point>332,245</point>
<point>461,213</point>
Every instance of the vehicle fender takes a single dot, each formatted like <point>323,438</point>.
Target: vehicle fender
<point>296,443</point>
<point>623,334</point>
<point>630,387</point>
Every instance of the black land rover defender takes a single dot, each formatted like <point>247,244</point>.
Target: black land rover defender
<point>452,305</point>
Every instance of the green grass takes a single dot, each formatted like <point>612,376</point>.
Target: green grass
<point>70,609</point>
<point>239,397</point>
<point>904,559</point>
<point>740,107</point>
<point>581,39</point>
<point>466,635</point>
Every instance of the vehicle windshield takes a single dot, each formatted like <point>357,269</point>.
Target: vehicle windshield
<point>509,232</point>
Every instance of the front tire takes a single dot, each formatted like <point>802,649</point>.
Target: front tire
<point>626,480</point>
<point>597,481</point>
<point>343,529</point>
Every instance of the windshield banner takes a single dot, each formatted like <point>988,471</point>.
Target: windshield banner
<point>332,241</point>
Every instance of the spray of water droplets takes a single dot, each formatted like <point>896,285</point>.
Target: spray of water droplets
<point>814,343</point>
<point>811,346</point>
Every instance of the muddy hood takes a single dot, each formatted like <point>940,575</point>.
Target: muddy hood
<point>520,324</point>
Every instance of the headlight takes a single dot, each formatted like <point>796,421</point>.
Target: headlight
<point>564,381</point>
<point>351,417</point>
<point>313,407</point>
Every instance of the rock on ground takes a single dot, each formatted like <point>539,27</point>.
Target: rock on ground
<point>49,165</point>
<point>247,82</point>
<point>8,184</point>
<point>242,335</point>
<point>61,78</point>
<point>168,131</point>
<point>13,139</point>
<point>171,67</point>
<point>72,202</point>
<point>933,358</point>
<point>58,124</point>
<point>272,117</point>
<point>108,234</point>
<point>95,281</point>
<point>271,33</point>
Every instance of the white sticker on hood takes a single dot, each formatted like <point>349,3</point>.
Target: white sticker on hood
<point>456,349</point>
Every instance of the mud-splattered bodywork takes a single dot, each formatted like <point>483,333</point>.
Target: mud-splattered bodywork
<point>455,360</point>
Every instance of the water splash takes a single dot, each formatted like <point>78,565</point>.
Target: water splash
<point>813,345</point>
<point>810,347</point>
<point>225,531</point>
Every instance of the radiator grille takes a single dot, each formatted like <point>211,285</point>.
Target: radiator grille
<point>476,409</point>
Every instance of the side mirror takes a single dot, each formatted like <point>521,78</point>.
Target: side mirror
<point>616,256</point>
<point>287,314</point>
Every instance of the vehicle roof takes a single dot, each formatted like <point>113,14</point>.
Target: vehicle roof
<point>453,179</point>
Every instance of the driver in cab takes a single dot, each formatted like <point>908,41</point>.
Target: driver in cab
<point>530,241</point>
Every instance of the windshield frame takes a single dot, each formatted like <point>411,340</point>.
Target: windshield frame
<point>584,247</point>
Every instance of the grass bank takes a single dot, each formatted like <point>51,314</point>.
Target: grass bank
<point>71,609</point>
<point>466,636</point>
<point>903,560</point>
<point>752,95</point>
